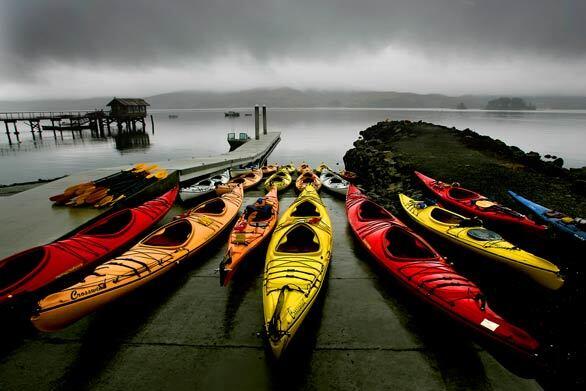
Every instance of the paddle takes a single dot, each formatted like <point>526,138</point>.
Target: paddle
<point>124,192</point>
<point>97,187</point>
<point>81,187</point>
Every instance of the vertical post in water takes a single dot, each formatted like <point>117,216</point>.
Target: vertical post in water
<point>8,133</point>
<point>264,119</point>
<point>152,125</point>
<point>256,124</point>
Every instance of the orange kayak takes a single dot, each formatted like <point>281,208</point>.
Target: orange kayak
<point>307,177</point>
<point>304,167</point>
<point>156,254</point>
<point>247,181</point>
<point>248,233</point>
<point>269,169</point>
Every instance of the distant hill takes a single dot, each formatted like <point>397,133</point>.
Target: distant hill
<point>289,97</point>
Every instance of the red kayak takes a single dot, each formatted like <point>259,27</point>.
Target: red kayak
<point>410,259</point>
<point>476,204</point>
<point>37,267</point>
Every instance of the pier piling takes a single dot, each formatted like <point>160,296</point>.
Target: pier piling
<point>256,123</point>
<point>264,119</point>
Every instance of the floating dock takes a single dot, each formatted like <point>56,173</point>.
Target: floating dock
<point>29,219</point>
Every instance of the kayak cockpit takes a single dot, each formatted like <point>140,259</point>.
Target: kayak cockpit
<point>305,209</point>
<point>173,235</point>
<point>215,206</point>
<point>370,211</point>
<point>461,194</point>
<point>446,217</point>
<point>205,182</point>
<point>111,225</point>
<point>300,239</point>
<point>17,267</point>
<point>401,244</point>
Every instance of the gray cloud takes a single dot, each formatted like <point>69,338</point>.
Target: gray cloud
<point>150,33</point>
<point>143,32</point>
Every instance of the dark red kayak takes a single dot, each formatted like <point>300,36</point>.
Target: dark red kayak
<point>476,204</point>
<point>418,266</point>
<point>37,267</point>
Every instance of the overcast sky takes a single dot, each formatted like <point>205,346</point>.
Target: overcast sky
<point>84,48</point>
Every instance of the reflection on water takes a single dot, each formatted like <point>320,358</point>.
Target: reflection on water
<point>313,135</point>
<point>125,142</point>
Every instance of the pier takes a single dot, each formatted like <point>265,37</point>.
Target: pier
<point>29,219</point>
<point>126,114</point>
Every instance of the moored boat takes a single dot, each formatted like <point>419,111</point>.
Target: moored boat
<point>33,269</point>
<point>475,204</point>
<point>247,181</point>
<point>333,182</point>
<point>153,256</point>
<point>280,180</point>
<point>470,234</point>
<point>304,167</point>
<point>308,177</point>
<point>204,186</point>
<point>420,268</point>
<point>322,167</point>
<point>269,169</point>
<point>575,227</point>
<point>297,260</point>
<point>290,168</point>
<point>251,230</point>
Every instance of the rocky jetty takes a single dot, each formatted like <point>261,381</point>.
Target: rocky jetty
<point>386,154</point>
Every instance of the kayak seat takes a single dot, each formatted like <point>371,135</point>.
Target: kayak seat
<point>172,236</point>
<point>115,223</point>
<point>17,267</point>
<point>445,216</point>
<point>207,182</point>
<point>305,209</point>
<point>401,244</point>
<point>371,211</point>
<point>215,206</point>
<point>461,194</point>
<point>299,240</point>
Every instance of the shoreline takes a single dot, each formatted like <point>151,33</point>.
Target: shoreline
<point>18,187</point>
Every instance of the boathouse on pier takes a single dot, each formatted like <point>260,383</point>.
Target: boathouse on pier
<point>128,111</point>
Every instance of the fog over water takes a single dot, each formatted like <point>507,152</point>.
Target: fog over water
<point>314,135</point>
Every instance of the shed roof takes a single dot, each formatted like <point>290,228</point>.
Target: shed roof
<point>129,102</point>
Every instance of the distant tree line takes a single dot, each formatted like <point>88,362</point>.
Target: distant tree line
<point>505,103</point>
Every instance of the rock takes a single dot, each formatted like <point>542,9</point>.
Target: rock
<point>558,162</point>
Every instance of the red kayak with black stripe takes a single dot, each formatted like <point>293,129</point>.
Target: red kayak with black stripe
<point>30,270</point>
<point>475,204</point>
<point>419,267</point>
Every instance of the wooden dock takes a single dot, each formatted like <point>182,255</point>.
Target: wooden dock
<point>28,219</point>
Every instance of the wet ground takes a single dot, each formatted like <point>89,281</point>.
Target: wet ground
<point>184,331</point>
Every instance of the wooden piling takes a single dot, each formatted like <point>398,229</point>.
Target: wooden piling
<point>256,123</point>
<point>264,119</point>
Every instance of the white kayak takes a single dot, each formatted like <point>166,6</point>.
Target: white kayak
<point>334,182</point>
<point>203,187</point>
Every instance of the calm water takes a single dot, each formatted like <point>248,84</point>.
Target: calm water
<point>312,134</point>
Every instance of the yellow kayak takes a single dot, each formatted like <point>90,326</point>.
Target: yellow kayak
<point>296,264</point>
<point>470,234</point>
<point>150,258</point>
<point>290,168</point>
<point>281,180</point>
<point>322,167</point>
